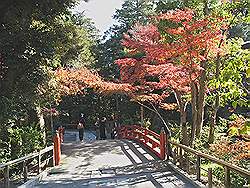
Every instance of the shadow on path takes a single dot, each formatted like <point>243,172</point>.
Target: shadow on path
<point>111,163</point>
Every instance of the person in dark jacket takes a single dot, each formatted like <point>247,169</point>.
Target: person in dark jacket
<point>102,128</point>
<point>80,126</point>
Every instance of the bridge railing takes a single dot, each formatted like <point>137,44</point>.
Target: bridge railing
<point>33,162</point>
<point>158,144</point>
<point>180,155</point>
<point>153,141</point>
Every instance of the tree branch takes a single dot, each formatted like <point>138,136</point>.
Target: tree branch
<point>159,115</point>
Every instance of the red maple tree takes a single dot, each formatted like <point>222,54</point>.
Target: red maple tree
<point>175,50</point>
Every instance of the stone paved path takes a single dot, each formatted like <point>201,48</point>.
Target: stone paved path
<point>109,163</point>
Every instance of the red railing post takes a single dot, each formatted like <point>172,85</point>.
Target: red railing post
<point>167,147</point>
<point>163,144</point>
<point>57,149</point>
<point>145,136</point>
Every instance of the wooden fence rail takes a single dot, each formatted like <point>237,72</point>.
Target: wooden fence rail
<point>46,154</point>
<point>199,155</point>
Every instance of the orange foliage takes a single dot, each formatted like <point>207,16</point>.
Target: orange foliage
<point>169,106</point>
<point>74,81</point>
<point>236,151</point>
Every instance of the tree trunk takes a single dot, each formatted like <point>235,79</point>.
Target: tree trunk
<point>205,8</point>
<point>194,91</point>
<point>141,113</point>
<point>184,131</point>
<point>41,122</point>
<point>166,128</point>
<point>183,118</point>
<point>201,99</point>
<point>212,126</point>
<point>216,105</point>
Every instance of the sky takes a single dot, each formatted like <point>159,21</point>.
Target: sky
<point>100,11</point>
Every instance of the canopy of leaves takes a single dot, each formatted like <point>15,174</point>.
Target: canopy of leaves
<point>171,56</point>
<point>36,37</point>
<point>76,81</point>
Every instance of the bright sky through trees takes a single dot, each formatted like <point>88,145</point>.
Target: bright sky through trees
<point>100,11</point>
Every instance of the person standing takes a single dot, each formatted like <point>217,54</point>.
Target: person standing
<point>80,126</point>
<point>97,128</point>
<point>102,128</point>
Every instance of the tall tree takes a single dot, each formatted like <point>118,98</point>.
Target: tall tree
<point>224,85</point>
<point>110,49</point>
<point>189,43</point>
<point>79,38</point>
<point>35,38</point>
<point>29,30</point>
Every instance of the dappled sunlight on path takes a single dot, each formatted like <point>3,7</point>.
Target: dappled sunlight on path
<point>110,163</point>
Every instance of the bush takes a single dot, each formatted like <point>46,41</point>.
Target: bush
<point>19,141</point>
<point>237,181</point>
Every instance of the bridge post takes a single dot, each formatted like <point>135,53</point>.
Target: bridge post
<point>198,167</point>
<point>163,143</point>
<point>57,149</point>
<point>227,180</point>
<point>39,163</point>
<point>210,181</point>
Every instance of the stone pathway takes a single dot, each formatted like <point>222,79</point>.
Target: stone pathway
<point>109,163</point>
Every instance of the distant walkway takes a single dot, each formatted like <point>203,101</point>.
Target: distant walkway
<point>109,163</point>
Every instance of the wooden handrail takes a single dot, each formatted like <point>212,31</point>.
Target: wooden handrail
<point>6,166</point>
<point>213,159</point>
<point>130,132</point>
<point>27,157</point>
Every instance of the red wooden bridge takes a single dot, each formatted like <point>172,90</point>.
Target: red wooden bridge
<point>137,158</point>
<point>154,142</point>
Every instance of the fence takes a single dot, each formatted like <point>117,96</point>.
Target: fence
<point>32,163</point>
<point>181,154</point>
<point>158,144</point>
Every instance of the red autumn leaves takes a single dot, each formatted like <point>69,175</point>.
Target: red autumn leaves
<point>171,55</point>
<point>170,58</point>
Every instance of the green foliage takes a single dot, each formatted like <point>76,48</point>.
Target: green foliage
<point>201,143</point>
<point>164,6</point>
<point>222,125</point>
<point>145,123</point>
<point>238,125</point>
<point>221,128</point>
<point>201,7</point>
<point>16,142</point>
<point>230,84</point>
<point>78,38</point>
<point>96,106</point>
<point>236,179</point>
<point>134,11</point>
